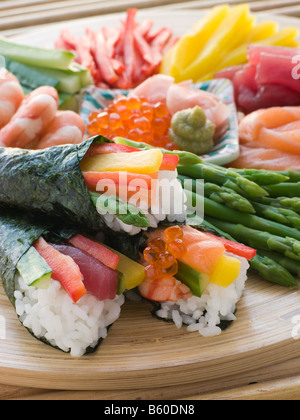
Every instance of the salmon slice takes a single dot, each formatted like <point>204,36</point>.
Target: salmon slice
<point>262,158</point>
<point>285,138</point>
<point>252,124</point>
<point>203,251</point>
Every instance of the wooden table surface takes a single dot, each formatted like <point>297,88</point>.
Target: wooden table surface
<point>279,381</point>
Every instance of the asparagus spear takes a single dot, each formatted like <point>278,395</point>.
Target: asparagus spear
<point>272,271</point>
<point>222,195</point>
<point>285,216</point>
<point>282,202</point>
<point>291,265</point>
<point>257,239</point>
<point>284,189</point>
<point>263,177</point>
<point>294,176</point>
<point>224,177</point>
<point>126,212</point>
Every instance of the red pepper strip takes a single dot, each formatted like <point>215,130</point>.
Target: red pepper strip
<point>236,247</point>
<point>169,162</point>
<point>119,178</point>
<point>128,50</point>
<point>64,269</point>
<point>98,251</point>
<point>106,148</point>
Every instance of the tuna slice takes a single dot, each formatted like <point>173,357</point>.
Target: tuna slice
<point>98,279</point>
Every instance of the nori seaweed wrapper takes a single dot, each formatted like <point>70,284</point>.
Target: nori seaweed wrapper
<point>49,182</point>
<point>18,232</point>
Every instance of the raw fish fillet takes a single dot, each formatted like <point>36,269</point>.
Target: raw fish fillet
<point>269,159</point>
<point>273,128</point>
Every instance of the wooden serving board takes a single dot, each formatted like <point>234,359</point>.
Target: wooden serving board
<point>142,352</point>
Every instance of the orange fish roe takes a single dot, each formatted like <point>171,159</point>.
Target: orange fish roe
<point>134,118</point>
<point>161,256</point>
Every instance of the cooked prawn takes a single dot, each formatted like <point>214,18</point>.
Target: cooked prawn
<point>11,96</point>
<point>66,128</point>
<point>165,289</point>
<point>31,120</point>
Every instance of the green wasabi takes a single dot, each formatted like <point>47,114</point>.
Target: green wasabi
<point>192,131</point>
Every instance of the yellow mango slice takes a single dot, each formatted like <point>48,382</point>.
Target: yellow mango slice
<point>144,162</point>
<point>232,32</point>
<point>226,271</point>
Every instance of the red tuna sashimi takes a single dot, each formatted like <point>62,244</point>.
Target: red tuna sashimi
<point>64,269</point>
<point>98,251</point>
<point>267,96</point>
<point>98,279</point>
<point>254,52</point>
<point>277,69</point>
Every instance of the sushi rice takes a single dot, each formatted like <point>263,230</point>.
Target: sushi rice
<point>72,327</point>
<point>170,206</point>
<point>205,313</point>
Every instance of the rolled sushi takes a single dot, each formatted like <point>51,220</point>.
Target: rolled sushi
<point>194,278</point>
<point>69,183</point>
<point>66,288</point>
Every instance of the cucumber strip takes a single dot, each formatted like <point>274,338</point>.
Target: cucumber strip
<point>195,280</point>
<point>84,74</point>
<point>68,81</point>
<point>29,77</point>
<point>35,56</point>
<point>34,270</point>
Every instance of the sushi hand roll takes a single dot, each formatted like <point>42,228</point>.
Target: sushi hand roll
<point>193,277</point>
<point>84,185</point>
<point>66,288</point>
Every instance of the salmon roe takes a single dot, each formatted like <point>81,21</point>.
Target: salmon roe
<point>162,256</point>
<point>134,118</point>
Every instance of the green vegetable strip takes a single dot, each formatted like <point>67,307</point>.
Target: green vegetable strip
<point>285,216</point>
<point>185,158</point>
<point>126,212</point>
<point>227,178</point>
<point>220,194</point>
<point>34,56</point>
<point>284,189</point>
<point>291,265</point>
<point>292,203</point>
<point>262,177</point>
<point>258,239</point>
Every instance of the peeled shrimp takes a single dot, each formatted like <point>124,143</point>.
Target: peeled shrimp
<point>66,128</point>
<point>11,96</point>
<point>165,289</point>
<point>32,119</point>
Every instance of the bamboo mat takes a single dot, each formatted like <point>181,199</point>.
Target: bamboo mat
<point>16,16</point>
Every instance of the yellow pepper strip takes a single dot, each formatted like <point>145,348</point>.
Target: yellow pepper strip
<point>226,271</point>
<point>238,56</point>
<point>144,162</point>
<point>132,273</point>
<point>232,32</point>
<point>189,46</point>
